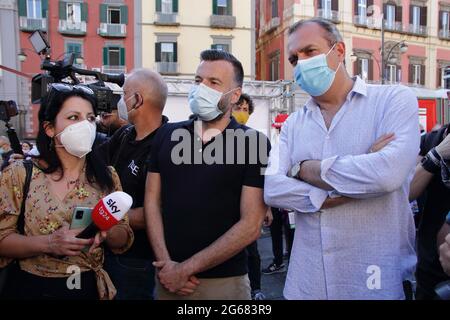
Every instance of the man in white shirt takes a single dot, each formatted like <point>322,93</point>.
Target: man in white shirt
<point>354,226</point>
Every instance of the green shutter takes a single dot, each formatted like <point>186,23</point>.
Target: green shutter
<point>44,4</point>
<point>230,7</point>
<point>62,10</point>
<point>214,47</point>
<point>158,52</point>
<point>175,52</point>
<point>174,6</point>
<point>122,56</point>
<point>105,56</point>
<point>103,13</point>
<point>84,11</point>
<point>158,6</point>
<point>215,9</point>
<point>124,14</point>
<point>22,8</point>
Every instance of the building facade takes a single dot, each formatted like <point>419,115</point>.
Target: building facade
<point>99,32</point>
<point>416,46</point>
<point>174,32</point>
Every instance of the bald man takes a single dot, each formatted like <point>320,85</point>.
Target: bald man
<point>5,152</point>
<point>142,105</point>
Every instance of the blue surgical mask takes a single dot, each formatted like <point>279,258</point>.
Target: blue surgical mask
<point>204,102</point>
<point>314,75</point>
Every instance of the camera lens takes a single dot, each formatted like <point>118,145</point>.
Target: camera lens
<point>79,215</point>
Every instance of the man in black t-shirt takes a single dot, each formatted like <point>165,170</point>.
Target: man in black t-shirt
<point>204,195</point>
<point>142,104</point>
<point>434,151</point>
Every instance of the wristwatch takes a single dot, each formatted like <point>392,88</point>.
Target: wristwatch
<point>295,170</point>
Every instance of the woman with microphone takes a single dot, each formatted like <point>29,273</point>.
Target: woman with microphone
<point>48,256</point>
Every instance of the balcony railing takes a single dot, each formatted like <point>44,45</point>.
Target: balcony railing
<point>223,21</point>
<point>167,67</point>
<point>418,30</point>
<point>393,26</point>
<point>444,34</point>
<point>168,19</point>
<point>114,69</point>
<point>329,15</point>
<point>367,22</point>
<point>112,30</point>
<point>72,27</point>
<point>31,24</point>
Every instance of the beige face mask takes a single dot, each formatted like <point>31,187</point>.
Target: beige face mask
<point>78,138</point>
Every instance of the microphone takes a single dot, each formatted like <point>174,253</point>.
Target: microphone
<point>107,213</point>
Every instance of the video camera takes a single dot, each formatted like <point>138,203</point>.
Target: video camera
<point>8,109</point>
<point>64,71</point>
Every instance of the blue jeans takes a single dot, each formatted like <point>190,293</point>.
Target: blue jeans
<point>133,278</point>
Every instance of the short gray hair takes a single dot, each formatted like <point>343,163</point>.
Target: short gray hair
<point>332,33</point>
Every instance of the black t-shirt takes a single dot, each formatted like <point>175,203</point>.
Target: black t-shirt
<point>201,201</point>
<point>129,157</point>
<point>429,270</point>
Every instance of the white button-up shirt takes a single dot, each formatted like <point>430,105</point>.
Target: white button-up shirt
<point>363,249</point>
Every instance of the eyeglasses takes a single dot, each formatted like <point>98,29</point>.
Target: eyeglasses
<point>64,87</point>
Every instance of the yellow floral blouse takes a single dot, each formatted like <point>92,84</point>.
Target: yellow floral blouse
<point>45,213</point>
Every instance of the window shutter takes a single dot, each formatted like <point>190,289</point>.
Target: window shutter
<point>62,10</point>
<point>411,14</point>
<point>105,56</point>
<point>411,73</point>
<point>230,7</point>
<point>158,6</point>
<point>370,73</point>
<point>423,16</point>
<point>439,78</point>
<point>175,52</point>
<point>356,67</point>
<point>215,9</point>
<point>335,5</point>
<point>103,13</point>
<point>319,4</point>
<point>355,4</point>
<point>124,14</point>
<point>122,56</point>
<point>44,7</point>
<point>384,11</point>
<point>158,51</point>
<point>441,22</point>
<point>398,13</point>
<point>84,11</point>
<point>175,6</point>
<point>22,4</point>
<point>369,6</point>
<point>422,75</point>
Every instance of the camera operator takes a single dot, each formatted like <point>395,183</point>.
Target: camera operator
<point>142,104</point>
<point>110,122</point>
<point>430,178</point>
<point>5,151</point>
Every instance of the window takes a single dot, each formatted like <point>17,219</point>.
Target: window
<point>34,9</point>
<point>222,7</point>
<point>390,16</point>
<point>222,47</point>
<point>362,8</point>
<point>166,6</point>
<point>166,52</point>
<point>74,48</point>
<point>326,5</point>
<point>73,12</point>
<point>415,17</point>
<point>392,73</point>
<point>445,20</point>
<point>364,69</point>
<point>274,8</point>
<point>113,15</point>
<point>114,56</point>
<point>417,72</point>
<point>274,67</point>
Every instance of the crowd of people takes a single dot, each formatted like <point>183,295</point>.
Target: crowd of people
<point>344,171</point>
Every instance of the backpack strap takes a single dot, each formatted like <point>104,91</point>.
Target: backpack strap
<point>28,164</point>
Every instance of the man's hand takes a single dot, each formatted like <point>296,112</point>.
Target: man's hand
<point>444,255</point>
<point>444,148</point>
<point>268,218</point>
<point>173,276</point>
<point>334,202</point>
<point>382,142</point>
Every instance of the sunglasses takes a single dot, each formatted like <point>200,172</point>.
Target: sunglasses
<point>64,87</point>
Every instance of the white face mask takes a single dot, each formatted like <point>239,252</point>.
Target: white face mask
<point>78,138</point>
<point>122,109</point>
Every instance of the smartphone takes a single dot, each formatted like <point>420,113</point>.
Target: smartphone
<point>81,218</point>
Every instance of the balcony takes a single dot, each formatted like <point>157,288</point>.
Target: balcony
<point>393,26</point>
<point>167,67</point>
<point>112,30</point>
<point>166,19</point>
<point>329,15</point>
<point>418,30</point>
<point>272,25</point>
<point>366,22</point>
<point>72,28</point>
<point>222,21</point>
<point>32,24</point>
<point>114,69</point>
<point>444,34</point>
